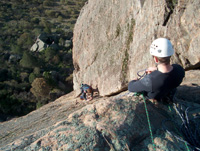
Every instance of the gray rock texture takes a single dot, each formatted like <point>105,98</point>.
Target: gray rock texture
<point>190,87</point>
<point>112,39</point>
<point>117,123</point>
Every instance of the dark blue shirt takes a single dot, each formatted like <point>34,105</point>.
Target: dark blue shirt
<point>84,88</point>
<point>157,85</point>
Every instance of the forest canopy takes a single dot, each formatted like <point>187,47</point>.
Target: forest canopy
<point>35,24</point>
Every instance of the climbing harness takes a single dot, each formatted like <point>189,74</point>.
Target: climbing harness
<point>189,128</point>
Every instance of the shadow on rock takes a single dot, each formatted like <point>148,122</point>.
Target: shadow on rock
<point>189,93</point>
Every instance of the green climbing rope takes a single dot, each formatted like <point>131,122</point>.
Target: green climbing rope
<point>149,122</point>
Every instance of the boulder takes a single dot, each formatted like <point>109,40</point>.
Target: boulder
<point>44,41</point>
<point>68,43</point>
<point>112,38</point>
<point>14,58</point>
<point>34,48</point>
<point>44,37</point>
<point>39,46</point>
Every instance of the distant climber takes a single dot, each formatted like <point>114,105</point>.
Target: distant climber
<point>86,92</point>
<point>161,81</point>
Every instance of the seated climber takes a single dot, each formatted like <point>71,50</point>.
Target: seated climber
<point>161,81</point>
<point>86,92</point>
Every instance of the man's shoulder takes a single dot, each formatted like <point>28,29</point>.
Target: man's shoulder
<point>85,86</point>
<point>179,70</point>
<point>178,67</point>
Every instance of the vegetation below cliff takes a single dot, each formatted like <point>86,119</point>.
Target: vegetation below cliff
<point>28,79</point>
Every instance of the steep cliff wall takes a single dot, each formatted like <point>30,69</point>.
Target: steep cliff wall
<point>112,39</point>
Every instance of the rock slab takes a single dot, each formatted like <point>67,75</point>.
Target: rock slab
<point>112,38</point>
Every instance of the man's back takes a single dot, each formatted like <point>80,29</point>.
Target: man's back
<point>157,84</point>
<point>84,87</point>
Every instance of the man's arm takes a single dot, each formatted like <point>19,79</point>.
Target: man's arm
<point>143,85</point>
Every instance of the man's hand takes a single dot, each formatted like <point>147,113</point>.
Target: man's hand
<point>151,69</point>
<point>135,79</point>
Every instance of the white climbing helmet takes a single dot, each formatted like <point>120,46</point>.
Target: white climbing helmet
<point>161,47</point>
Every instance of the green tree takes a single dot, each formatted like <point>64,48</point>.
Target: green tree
<point>24,76</point>
<point>32,77</point>
<point>35,20</point>
<point>25,40</point>
<point>15,72</point>
<point>49,53</point>
<point>56,59</point>
<point>50,13</point>
<point>60,18</point>
<point>62,1</point>
<point>61,41</point>
<point>49,79</point>
<point>47,3</point>
<point>37,32</point>
<point>40,88</point>
<point>16,49</point>
<point>9,104</point>
<point>47,30</point>
<point>23,24</point>
<point>3,74</point>
<point>36,71</point>
<point>28,60</point>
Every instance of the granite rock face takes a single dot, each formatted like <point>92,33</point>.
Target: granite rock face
<point>112,38</point>
<point>190,87</point>
<point>105,124</point>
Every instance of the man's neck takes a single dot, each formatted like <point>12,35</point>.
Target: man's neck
<point>164,68</point>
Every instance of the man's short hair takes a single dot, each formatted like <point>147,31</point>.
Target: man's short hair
<point>165,60</point>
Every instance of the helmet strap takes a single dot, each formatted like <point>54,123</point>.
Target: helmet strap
<point>156,61</point>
